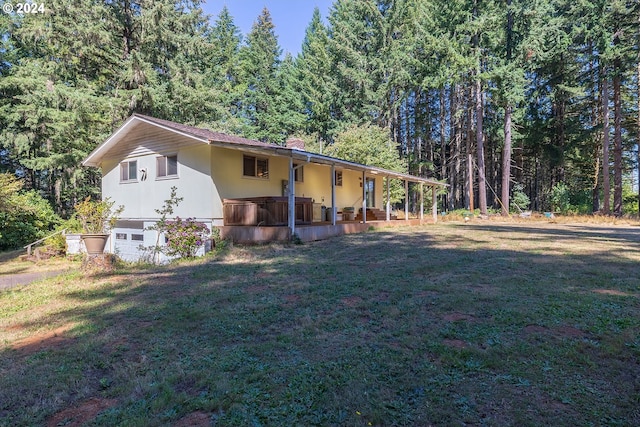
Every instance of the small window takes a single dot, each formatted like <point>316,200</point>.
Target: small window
<point>255,166</point>
<point>299,173</point>
<point>338,178</point>
<point>121,236</point>
<point>129,171</point>
<point>137,237</point>
<point>167,166</point>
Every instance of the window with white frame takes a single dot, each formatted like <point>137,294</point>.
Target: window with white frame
<point>257,167</point>
<point>129,171</point>
<point>338,178</point>
<point>167,166</point>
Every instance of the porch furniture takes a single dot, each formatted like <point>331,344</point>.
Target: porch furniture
<point>266,211</point>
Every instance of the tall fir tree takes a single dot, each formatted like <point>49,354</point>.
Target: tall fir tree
<point>260,61</point>
<point>317,85</point>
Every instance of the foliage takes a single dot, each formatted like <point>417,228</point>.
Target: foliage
<point>520,198</point>
<point>24,215</point>
<point>185,237</point>
<point>417,68</point>
<point>161,225</point>
<point>370,145</point>
<point>34,220</point>
<point>560,201</point>
<point>97,216</point>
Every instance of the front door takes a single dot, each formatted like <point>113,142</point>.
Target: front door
<point>370,192</point>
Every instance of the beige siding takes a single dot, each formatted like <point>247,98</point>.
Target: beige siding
<point>145,139</point>
<point>142,197</point>
<point>226,170</point>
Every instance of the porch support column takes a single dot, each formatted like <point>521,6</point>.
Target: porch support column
<point>333,195</point>
<point>364,197</point>
<point>388,200</point>
<point>434,203</point>
<point>406,200</point>
<point>292,198</point>
<point>421,202</point>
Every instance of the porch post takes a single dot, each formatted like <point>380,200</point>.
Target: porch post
<point>364,197</point>
<point>292,198</point>
<point>333,195</point>
<point>388,201</point>
<point>434,203</point>
<point>406,200</point>
<point>421,202</point>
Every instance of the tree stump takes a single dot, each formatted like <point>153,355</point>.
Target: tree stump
<point>100,263</point>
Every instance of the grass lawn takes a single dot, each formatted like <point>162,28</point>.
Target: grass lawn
<point>483,323</point>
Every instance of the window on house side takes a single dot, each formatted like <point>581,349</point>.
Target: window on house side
<point>255,166</point>
<point>167,166</point>
<point>129,171</point>
<point>338,178</point>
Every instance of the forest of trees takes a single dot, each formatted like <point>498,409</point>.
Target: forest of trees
<point>541,95</point>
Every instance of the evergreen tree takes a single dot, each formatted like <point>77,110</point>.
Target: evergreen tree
<point>316,81</point>
<point>260,61</point>
<point>223,72</point>
<point>356,40</point>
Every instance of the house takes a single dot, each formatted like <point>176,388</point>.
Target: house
<point>236,184</point>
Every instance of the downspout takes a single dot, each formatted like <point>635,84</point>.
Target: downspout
<point>333,195</point>
<point>434,203</point>
<point>292,199</point>
<point>388,200</point>
<point>292,194</point>
<point>421,202</point>
<point>406,200</point>
<point>364,197</point>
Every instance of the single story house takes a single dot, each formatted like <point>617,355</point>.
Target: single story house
<point>239,185</point>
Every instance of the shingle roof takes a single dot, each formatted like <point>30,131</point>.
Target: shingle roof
<point>205,133</point>
<point>236,142</point>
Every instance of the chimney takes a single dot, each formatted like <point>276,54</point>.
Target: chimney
<point>295,143</point>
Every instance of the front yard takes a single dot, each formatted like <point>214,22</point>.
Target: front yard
<point>451,324</point>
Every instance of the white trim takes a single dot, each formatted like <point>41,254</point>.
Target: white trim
<point>115,138</point>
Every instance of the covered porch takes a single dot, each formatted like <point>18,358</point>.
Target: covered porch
<point>320,196</point>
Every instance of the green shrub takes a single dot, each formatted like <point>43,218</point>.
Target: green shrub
<point>33,220</point>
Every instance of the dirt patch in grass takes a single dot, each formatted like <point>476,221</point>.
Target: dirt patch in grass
<point>453,343</point>
<point>48,340</point>
<point>613,292</point>
<point>80,413</point>
<point>457,317</point>
<point>352,301</point>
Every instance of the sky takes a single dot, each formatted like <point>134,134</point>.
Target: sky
<point>290,17</point>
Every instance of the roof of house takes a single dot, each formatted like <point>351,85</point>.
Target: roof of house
<point>235,142</point>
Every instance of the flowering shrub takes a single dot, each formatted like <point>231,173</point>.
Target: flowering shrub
<point>185,237</point>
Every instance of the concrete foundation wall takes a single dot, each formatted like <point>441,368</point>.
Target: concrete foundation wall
<point>306,233</point>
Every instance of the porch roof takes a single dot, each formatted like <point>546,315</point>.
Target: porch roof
<point>237,143</point>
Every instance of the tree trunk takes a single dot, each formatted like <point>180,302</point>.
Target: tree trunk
<point>470,175</point>
<point>506,151</point>
<point>638,118</point>
<point>506,161</point>
<point>606,178</point>
<point>482,187</point>
<point>617,141</point>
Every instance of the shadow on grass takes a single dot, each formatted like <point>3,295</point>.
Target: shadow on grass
<point>435,325</point>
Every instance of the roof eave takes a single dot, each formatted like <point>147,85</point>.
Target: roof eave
<point>95,157</point>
